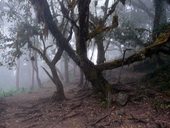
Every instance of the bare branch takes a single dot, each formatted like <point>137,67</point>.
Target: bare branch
<point>65,13</point>
<point>48,74</point>
<point>112,9</point>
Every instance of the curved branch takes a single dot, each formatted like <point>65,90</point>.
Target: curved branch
<point>57,56</point>
<point>45,16</point>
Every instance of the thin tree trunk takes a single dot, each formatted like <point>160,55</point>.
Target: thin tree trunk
<point>66,68</point>
<point>81,78</point>
<point>18,74</point>
<point>32,75</point>
<point>36,69</point>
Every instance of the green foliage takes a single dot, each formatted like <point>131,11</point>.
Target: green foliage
<point>129,35</point>
<point>160,78</point>
<point>103,103</point>
<point>159,104</point>
<point>11,92</point>
<point>162,29</point>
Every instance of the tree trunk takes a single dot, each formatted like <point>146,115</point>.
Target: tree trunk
<point>36,69</point>
<point>81,78</point>
<point>59,94</point>
<point>100,49</point>
<point>18,74</point>
<point>66,67</point>
<point>160,16</point>
<point>32,74</point>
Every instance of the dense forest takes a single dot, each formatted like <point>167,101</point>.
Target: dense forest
<point>85,63</point>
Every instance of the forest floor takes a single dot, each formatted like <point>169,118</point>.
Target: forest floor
<point>82,109</point>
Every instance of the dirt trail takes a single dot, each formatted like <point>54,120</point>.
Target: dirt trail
<point>81,110</point>
<point>33,110</point>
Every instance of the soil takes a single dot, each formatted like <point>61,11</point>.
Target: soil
<point>82,109</point>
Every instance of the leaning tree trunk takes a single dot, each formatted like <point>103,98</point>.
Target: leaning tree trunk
<point>59,94</point>
<point>80,57</point>
<point>92,72</point>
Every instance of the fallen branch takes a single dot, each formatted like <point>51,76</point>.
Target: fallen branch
<point>70,116</point>
<point>32,118</point>
<point>137,120</point>
<point>100,119</point>
<point>123,87</point>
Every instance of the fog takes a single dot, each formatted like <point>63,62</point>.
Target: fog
<point>14,14</point>
<point>8,75</point>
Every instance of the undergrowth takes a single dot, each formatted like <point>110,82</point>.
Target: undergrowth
<point>11,92</point>
<point>159,79</point>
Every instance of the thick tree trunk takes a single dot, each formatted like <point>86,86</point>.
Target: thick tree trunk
<point>100,49</point>
<point>160,16</point>
<point>93,73</point>
<point>159,19</point>
<point>59,94</point>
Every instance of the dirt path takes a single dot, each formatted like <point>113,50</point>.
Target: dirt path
<point>81,110</point>
<point>34,110</point>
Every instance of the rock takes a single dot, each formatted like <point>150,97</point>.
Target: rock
<point>117,123</point>
<point>120,112</point>
<point>114,98</point>
<point>122,99</point>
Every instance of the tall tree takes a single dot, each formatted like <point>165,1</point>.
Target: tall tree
<point>92,72</point>
<point>160,15</point>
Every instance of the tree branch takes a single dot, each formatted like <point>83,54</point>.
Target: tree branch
<point>46,17</point>
<point>40,52</point>
<point>57,56</point>
<point>112,9</point>
<point>162,39</point>
<point>48,74</point>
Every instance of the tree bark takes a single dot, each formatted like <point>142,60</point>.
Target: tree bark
<point>81,78</point>
<point>59,94</point>
<point>93,73</point>
<point>32,75</point>
<point>66,67</point>
<point>18,74</point>
<point>100,49</point>
<point>36,69</point>
<point>160,16</point>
